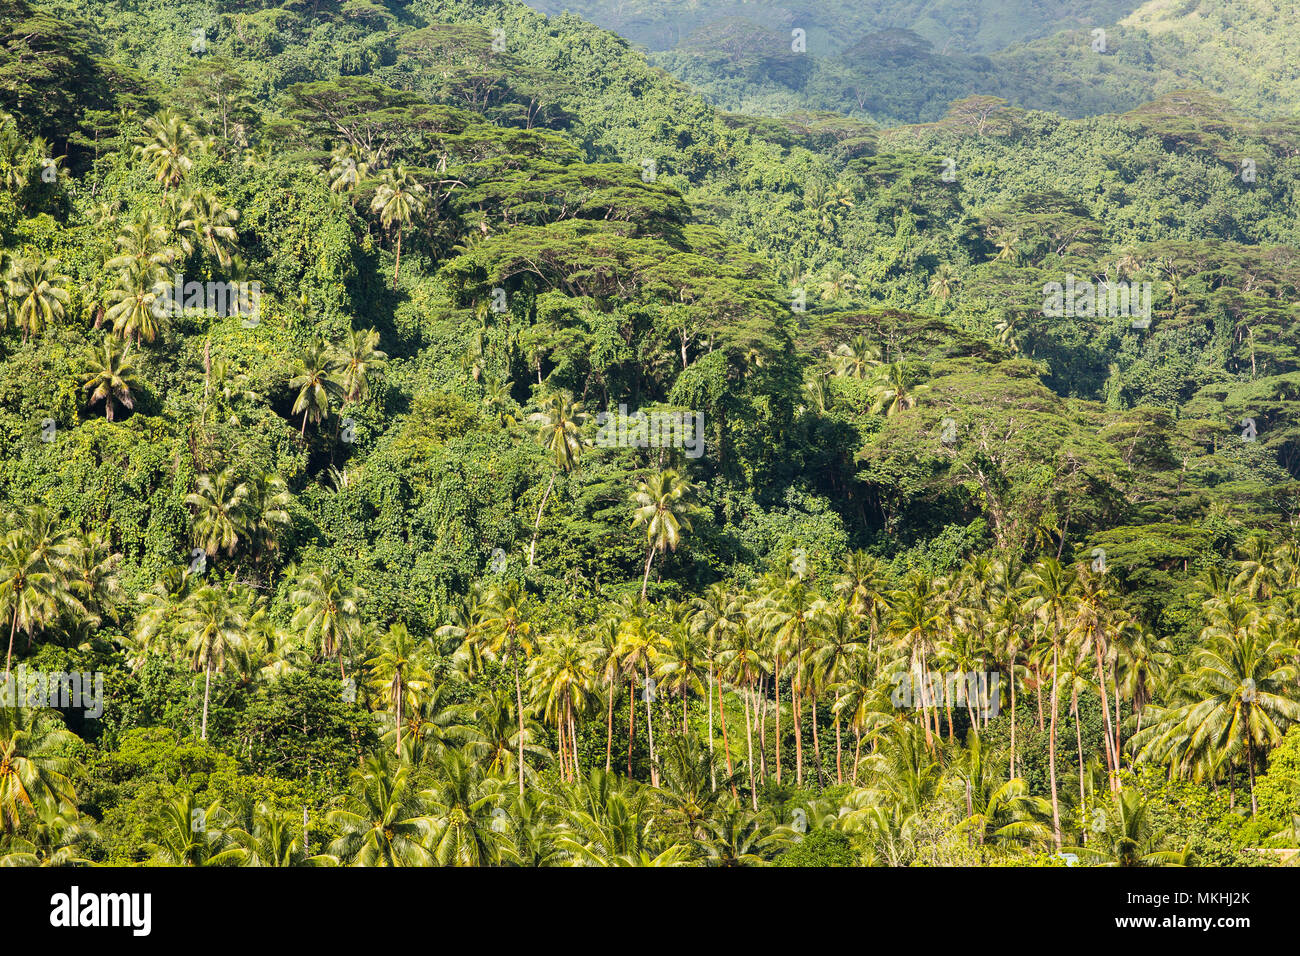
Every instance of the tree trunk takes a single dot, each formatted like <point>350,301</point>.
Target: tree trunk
<point>726,743</point>
<point>13,628</point>
<point>398,265</point>
<point>631,721</point>
<point>776,731</point>
<point>207,687</point>
<point>519,705</point>
<point>650,729</point>
<point>609,730</point>
<point>839,765</point>
<point>645,579</point>
<point>1051,757</point>
<point>713,773</point>
<point>532,548</point>
<point>749,743</point>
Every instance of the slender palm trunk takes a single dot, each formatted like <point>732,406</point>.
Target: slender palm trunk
<point>817,747</point>
<point>1013,718</point>
<point>839,765</point>
<point>13,629</point>
<point>573,741</point>
<point>1112,757</point>
<point>532,547</point>
<point>645,579</point>
<point>1051,757</point>
<point>726,743</point>
<point>857,751</point>
<point>609,730</point>
<point>650,730</point>
<point>398,265</point>
<point>1078,740</point>
<point>749,742</point>
<point>631,721</point>
<point>207,688</point>
<point>519,706</point>
<point>776,717</point>
<point>713,773</point>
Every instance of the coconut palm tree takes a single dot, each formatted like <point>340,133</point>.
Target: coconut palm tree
<point>943,283</point>
<point>207,225</point>
<point>31,583</point>
<point>384,821</point>
<point>663,504</point>
<point>398,675</point>
<point>316,378</point>
<point>110,376</point>
<point>891,392</point>
<point>638,651</point>
<point>221,517</point>
<point>1241,689</point>
<point>1131,837</point>
<point>139,302</point>
<point>563,676</point>
<point>856,357</point>
<point>505,632</point>
<point>357,361</point>
<point>53,837</point>
<point>327,612</point>
<point>558,421</point>
<point>212,625</point>
<point>1050,588</point>
<point>36,289</point>
<point>166,148</point>
<point>190,834</point>
<point>400,201</point>
<point>34,766</point>
<point>141,243</point>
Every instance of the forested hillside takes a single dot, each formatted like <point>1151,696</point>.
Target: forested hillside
<point>433,434</point>
<point>895,61</point>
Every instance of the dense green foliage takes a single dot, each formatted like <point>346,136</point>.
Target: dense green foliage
<point>366,583</point>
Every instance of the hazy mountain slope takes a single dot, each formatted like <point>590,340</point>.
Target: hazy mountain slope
<point>901,63</point>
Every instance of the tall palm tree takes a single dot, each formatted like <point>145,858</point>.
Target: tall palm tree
<point>33,763</point>
<point>638,651</point>
<point>212,625</point>
<point>794,615</point>
<point>1051,587</point>
<point>316,378</point>
<point>385,821</point>
<point>891,392</point>
<point>31,583</point>
<point>357,360</point>
<point>166,148</point>
<point>505,632</point>
<point>400,201</point>
<point>142,242</point>
<point>207,225</point>
<point>1241,696</point>
<point>663,504</point>
<point>564,676</point>
<point>53,837</point>
<point>856,357</point>
<point>221,517</point>
<point>327,612</point>
<point>110,376</point>
<point>36,288</point>
<point>398,675</point>
<point>558,421</point>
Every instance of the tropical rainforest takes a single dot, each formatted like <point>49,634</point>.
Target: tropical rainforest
<point>349,571</point>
